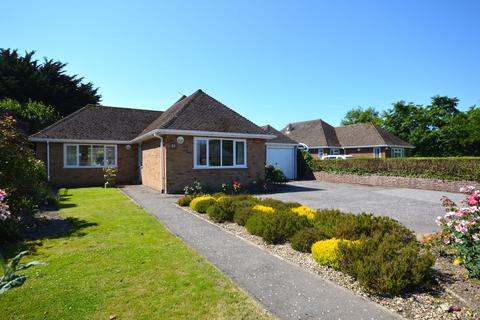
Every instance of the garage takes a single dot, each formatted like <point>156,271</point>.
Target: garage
<point>283,157</point>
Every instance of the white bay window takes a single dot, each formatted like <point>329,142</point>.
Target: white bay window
<point>89,156</point>
<point>219,153</point>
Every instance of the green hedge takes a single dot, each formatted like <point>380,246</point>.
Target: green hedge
<point>462,168</point>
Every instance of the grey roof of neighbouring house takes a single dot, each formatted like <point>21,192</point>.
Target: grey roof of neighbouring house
<point>201,112</point>
<point>313,133</point>
<point>95,122</point>
<point>318,133</point>
<point>281,138</point>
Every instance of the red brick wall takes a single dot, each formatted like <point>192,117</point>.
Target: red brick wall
<point>398,182</point>
<point>180,170</point>
<point>70,177</point>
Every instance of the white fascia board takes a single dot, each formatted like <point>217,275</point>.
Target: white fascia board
<point>203,134</point>
<point>279,144</point>
<point>80,141</point>
<point>378,145</point>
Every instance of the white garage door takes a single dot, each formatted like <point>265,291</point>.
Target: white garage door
<point>282,157</point>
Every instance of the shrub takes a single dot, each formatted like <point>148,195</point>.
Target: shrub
<point>385,265</point>
<point>262,208</point>
<point>435,168</point>
<point>304,211</point>
<point>201,204</point>
<point>303,239</point>
<point>279,205</point>
<point>275,227</point>
<point>274,175</point>
<point>184,201</point>
<point>217,213</point>
<point>243,211</point>
<point>461,227</point>
<point>325,252</point>
<point>22,176</point>
<point>194,189</point>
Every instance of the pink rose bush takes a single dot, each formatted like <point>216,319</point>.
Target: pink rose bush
<point>4,209</point>
<point>461,228</point>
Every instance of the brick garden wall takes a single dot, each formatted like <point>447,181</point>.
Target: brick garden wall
<point>399,182</point>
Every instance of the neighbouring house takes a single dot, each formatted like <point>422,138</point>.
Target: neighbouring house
<point>358,140</point>
<point>282,152</point>
<point>197,138</point>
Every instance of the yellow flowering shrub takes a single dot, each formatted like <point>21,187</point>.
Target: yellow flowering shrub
<point>261,208</point>
<point>325,252</point>
<point>201,204</point>
<point>304,211</point>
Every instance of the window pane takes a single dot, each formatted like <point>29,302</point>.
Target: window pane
<point>85,155</point>
<point>71,155</point>
<point>227,153</point>
<point>201,152</point>
<point>214,152</point>
<point>240,153</point>
<point>97,155</point>
<point>110,156</point>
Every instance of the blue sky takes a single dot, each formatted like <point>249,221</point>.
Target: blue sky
<point>273,61</point>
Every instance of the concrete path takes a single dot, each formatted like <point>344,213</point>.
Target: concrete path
<point>417,209</point>
<point>285,290</point>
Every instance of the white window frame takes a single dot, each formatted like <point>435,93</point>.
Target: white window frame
<point>321,152</point>
<point>207,166</point>
<point>77,146</point>
<point>335,151</point>
<point>379,152</point>
<point>401,151</point>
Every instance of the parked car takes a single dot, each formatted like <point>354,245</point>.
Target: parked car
<point>337,157</point>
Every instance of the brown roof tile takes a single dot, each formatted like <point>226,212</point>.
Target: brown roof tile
<point>281,138</point>
<point>95,122</point>
<point>201,112</point>
<point>313,133</point>
<point>367,134</point>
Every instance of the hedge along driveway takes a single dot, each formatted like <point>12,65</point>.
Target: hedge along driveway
<point>120,261</point>
<point>286,290</point>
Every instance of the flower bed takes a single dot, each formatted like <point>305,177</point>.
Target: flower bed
<point>382,254</point>
<point>432,302</point>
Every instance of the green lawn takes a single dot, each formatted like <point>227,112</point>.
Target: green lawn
<point>121,261</point>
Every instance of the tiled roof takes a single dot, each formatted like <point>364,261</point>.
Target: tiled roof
<point>367,134</point>
<point>318,133</point>
<point>281,138</point>
<point>201,112</point>
<point>95,122</point>
<point>313,133</point>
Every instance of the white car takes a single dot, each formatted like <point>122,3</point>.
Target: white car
<point>337,157</point>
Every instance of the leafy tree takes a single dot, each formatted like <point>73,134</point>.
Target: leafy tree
<point>24,78</point>
<point>36,114</point>
<point>360,115</point>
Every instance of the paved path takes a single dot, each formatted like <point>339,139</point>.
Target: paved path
<point>417,209</point>
<point>285,290</point>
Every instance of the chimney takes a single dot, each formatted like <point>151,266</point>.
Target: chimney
<point>289,128</point>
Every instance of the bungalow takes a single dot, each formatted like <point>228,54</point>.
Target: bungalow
<point>197,138</point>
<point>358,140</point>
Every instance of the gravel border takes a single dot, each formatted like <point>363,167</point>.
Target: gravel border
<point>431,305</point>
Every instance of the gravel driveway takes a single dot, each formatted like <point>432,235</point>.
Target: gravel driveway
<point>417,209</point>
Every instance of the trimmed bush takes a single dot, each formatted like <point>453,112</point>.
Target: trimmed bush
<point>305,211</point>
<point>242,213</point>
<point>279,205</point>
<point>386,265</point>
<point>325,252</point>
<point>275,227</point>
<point>461,168</point>
<point>303,239</point>
<point>201,204</point>
<point>262,208</point>
<point>184,201</point>
<point>274,174</point>
<point>217,213</point>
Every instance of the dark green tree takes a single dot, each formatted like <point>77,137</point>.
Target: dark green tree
<point>360,115</point>
<point>24,78</point>
<point>36,114</point>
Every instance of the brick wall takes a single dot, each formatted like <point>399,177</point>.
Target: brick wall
<point>398,182</point>
<point>180,170</point>
<point>70,177</point>
<point>150,172</point>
